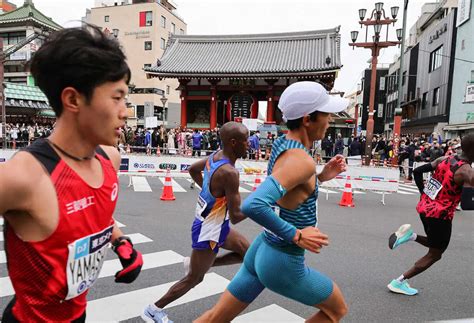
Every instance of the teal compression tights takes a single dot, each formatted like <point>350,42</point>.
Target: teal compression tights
<point>267,267</point>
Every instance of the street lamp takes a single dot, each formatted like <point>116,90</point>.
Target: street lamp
<point>397,118</point>
<point>115,32</point>
<point>377,19</point>
<point>164,99</point>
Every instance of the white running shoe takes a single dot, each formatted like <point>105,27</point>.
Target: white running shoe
<point>186,265</point>
<point>152,315</point>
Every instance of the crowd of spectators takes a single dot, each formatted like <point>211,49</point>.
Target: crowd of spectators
<point>22,135</point>
<point>189,142</point>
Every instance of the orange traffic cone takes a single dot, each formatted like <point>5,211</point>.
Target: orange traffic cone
<point>167,194</point>
<point>257,183</point>
<point>158,152</point>
<point>346,199</point>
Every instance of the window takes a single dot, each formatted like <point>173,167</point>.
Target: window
<point>146,65</point>
<point>436,97</point>
<point>13,38</point>
<point>167,89</point>
<point>181,32</point>
<point>163,22</point>
<point>404,77</point>
<point>472,76</point>
<point>162,43</point>
<point>436,58</point>
<point>424,101</point>
<point>380,110</point>
<point>382,84</point>
<point>173,28</point>
<point>146,18</point>
<point>106,18</point>
<point>148,45</point>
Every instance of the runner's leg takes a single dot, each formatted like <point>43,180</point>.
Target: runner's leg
<point>332,309</point>
<point>201,261</point>
<point>237,244</point>
<point>226,309</point>
<point>424,263</point>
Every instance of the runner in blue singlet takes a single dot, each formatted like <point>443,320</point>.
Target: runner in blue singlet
<point>218,202</point>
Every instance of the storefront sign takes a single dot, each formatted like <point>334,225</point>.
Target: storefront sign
<point>464,11</point>
<point>441,30</point>
<point>469,94</point>
<point>138,34</point>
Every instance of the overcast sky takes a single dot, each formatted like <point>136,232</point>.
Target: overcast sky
<point>267,16</point>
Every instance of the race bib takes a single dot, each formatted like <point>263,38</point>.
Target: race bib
<point>85,260</point>
<point>432,188</point>
<point>200,207</point>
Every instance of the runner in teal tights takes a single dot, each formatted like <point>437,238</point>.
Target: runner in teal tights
<point>285,205</point>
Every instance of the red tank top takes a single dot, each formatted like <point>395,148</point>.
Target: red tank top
<point>441,194</point>
<point>51,277</point>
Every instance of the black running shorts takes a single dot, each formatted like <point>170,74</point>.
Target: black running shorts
<point>438,232</point>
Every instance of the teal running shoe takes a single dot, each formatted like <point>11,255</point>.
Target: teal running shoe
<point>402,288</point>
<point>402,235</point>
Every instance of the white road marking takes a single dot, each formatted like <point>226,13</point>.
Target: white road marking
<point>176,187</point>
<point>140,184</point>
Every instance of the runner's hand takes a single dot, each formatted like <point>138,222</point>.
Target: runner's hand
<point>334,167</point>
<point>131,260</point>
<point>311,239</point>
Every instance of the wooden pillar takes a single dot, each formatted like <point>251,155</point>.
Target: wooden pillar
<point>184,102</point>
<point>270,107</point>
<point>213,107</point>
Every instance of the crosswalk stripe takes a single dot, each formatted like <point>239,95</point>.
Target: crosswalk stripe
<point>404,193</point>
<point>191,181</point>
<point>129,305</point>
<point>409,189</point>
<point>150,260</point>
<point>353,191</point>
<point>140,184</point>
<point>119,224</point>
<point>325,190</point>
<point>176,187</point>
<point>138,238</point>
<point>243,190</point>
<point>271,313</point>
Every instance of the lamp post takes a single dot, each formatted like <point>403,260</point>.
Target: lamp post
<point>164,99</point>
<point>377,19</point>
<point>397,118</point>
<point>2,99</point>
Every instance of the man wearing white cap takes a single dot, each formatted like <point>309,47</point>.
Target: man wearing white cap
<point>285,205</point>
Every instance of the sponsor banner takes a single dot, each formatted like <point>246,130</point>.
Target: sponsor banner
<point>366,178</point>
<point>155,164</point>
<point>6,154</point>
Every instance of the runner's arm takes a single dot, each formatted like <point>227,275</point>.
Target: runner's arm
<point>465,176</point>
<point>196,171</point>
<point>426,168</point>
<point>16,183</point>
<point>231,188</point>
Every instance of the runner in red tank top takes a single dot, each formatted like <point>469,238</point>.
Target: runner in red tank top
<point>451,182</point>
<point>59,194</point>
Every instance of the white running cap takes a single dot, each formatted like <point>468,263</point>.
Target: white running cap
<point>303,98</point>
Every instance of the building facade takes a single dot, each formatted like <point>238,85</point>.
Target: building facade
<point>224,78</point>
<point>461,114</point>
<point>143,29</point>
<point>24,25</point>
<point>380,100</point>
<point>23,31</point>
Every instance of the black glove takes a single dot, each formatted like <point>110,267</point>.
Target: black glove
<point>131,260</point>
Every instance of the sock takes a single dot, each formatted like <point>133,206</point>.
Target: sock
<point>400,279</point>
<point>413,236</point>
<point>155,308</point>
